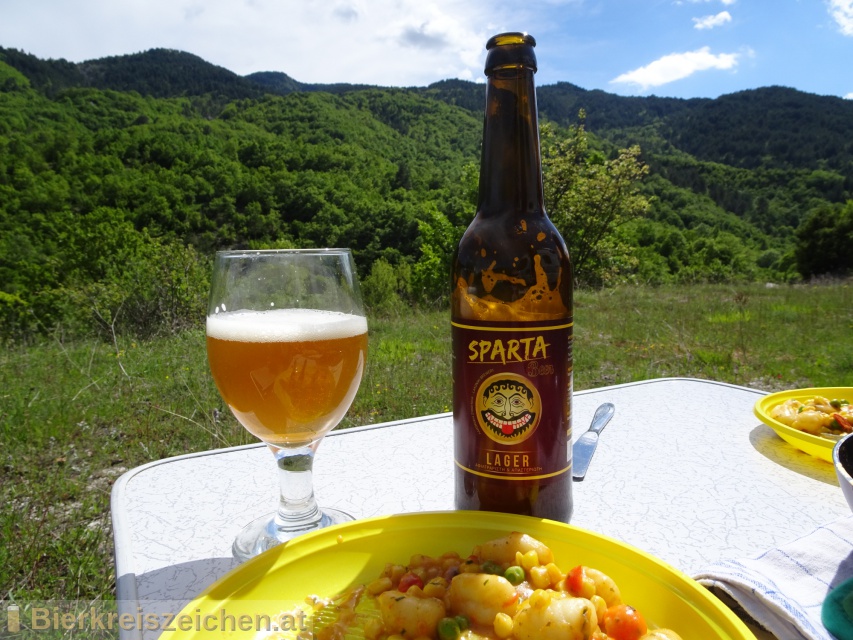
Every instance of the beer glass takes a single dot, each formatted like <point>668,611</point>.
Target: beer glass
<point>287,343</point>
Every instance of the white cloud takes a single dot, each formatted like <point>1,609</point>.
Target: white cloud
<point>387,42</point>
<point>709,22</point>
<point>842,12</point>
<point>677,66</point>
<point>849,96</point>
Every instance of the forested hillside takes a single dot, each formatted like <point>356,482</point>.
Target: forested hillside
<point>772,127</point>
<point>119,177</point>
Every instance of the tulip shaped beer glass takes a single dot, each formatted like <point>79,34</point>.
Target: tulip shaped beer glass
<point>287,343</point>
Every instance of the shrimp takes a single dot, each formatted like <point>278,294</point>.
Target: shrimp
<point>502,551</point>
<point>481,596</point>
<point>409,615</point>
<point>562,618</point>
<point>786,412</point>
<point>604,586</point>
<point>811,421</point>
<point>821,404</point>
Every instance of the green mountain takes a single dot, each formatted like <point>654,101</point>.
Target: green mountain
<point>161,73</point>
<point>164,73</point>
<point>116,174</point>
<point>768,127</point>
<point>772,127</point>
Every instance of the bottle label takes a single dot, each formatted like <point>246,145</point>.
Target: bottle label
<point>512,390</point>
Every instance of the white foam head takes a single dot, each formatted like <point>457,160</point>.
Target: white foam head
<point>284,325</point>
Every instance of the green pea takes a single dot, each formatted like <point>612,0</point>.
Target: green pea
<point>515,575</point>
<point>463,622</point>
<point>448,629</point>
<point>490,567</point>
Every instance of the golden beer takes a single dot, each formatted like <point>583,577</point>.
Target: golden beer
<point>288,375</point>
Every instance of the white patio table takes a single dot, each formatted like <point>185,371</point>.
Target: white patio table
<point>684,471</point>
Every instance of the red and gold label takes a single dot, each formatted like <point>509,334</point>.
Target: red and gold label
<point>507,408</point>
<point>512,391</point>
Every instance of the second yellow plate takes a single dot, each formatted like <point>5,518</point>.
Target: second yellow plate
<point>817,446</point>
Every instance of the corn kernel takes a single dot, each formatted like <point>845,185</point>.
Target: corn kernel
<point>379,585</point>
<point>397,572</point>
<point>432,571</point>
<point>539,578</point>
<point>415,591</point>
<point>436,588</point>
<point>540,599</point>
<point>554,573</point>
<point>373,628</point>
<point>530,559</point>
<point>418,560</point>
<point>469,567</point>
<point>503,625</point>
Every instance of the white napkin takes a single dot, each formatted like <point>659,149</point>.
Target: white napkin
<point>783,589</point>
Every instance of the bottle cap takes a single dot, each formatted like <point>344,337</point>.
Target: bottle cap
<point>514,49</point>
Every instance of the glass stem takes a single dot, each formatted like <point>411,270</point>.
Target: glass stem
<point>297,508</point>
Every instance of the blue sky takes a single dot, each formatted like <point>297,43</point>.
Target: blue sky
<point>678,48</point>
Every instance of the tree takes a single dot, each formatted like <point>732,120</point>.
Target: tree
<point>824,241</point>
<point>588,197</point>
<point>438,238</point>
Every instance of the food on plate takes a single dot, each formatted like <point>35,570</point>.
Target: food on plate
<point>507,589</point>
<point>818,415</point>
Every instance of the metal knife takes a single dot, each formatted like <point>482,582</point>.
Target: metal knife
<point>583,449</point>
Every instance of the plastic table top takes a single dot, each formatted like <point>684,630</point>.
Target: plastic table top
<point>684,471</point>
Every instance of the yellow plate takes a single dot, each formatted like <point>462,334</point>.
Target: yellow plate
<point>327,562</point>
<point>817,446</point>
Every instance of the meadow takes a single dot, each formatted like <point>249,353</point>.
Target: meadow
<point>75,415</point>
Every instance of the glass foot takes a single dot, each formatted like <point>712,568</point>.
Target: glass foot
<point>263,534</point>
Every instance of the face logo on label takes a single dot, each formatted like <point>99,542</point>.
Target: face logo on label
<point>508,408</point>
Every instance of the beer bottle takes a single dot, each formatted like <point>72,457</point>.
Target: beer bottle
<point>511,314</point>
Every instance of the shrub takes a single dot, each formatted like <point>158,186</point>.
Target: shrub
<point>163,291</point>
<point>385,287</point>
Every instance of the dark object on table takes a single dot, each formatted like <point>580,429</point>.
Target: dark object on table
<point>837,611</point>
<point>842,458</point>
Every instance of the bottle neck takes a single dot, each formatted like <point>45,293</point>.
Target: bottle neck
<point>510,167</point>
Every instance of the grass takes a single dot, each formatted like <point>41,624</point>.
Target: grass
<point>75,416</point>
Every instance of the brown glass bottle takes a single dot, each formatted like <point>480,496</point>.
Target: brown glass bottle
<point>511,314</point>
